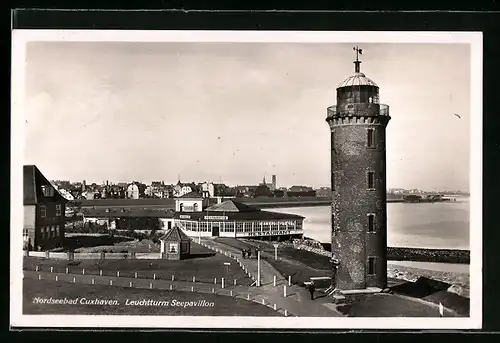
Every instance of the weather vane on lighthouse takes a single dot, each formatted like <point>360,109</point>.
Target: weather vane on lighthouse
<point>357,62</point>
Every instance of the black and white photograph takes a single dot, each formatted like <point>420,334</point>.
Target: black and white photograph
<point>249,179</point>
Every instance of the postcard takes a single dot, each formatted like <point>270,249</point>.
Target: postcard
<point>246,179</point>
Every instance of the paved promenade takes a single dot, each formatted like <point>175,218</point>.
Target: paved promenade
<point>297,300</point>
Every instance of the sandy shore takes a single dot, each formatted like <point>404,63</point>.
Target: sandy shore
<point>459,281</point>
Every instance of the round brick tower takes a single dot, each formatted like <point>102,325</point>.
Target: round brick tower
<point>358,181</point>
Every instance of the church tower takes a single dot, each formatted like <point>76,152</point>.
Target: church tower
<point>358,180</point>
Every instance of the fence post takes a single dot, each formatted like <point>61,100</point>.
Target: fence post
<point>130,283</point>
<point>111,282</point>
<point>289,280</point>
<point>215,280</point>
<point>154,276</point>
<point>235,282</point>
<point>192,288</point>
<point>135,275</point>
<point>222,282</point>
<point>284,291</point>
<point>93,281</point>
<point>74,280</point>
<point>150,285</point>
<point>39,277</point>
<point>248,296</point>
<point>173,278</point>
<point>100,272</point>
<point>274,307</point>
<point>171,287</point>
<point>274,281</point>
<point>231,293</point>
<point>286,313</point>
<point>67,270</point>
<point>263,301</point>
<point>36,268</point>
<point>118,273</point>
<point>194,279</point>
<point>57,279</point>
<point>213,290</point>
<point>83,271</point>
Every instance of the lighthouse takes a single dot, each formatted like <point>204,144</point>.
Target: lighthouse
<point>358,180</point>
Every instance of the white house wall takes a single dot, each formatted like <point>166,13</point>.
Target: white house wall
<point>188,205</point>
<point>29,216</point>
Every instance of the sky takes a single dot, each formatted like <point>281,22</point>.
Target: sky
<point>234,112</point>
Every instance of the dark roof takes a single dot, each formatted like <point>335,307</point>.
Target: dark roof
<point>253,215</point>
<point>232,206</point>
<point>167,203</point>
<point>175,234</point>
<point>300,189</point>
<point>127,212</point>
<point>33,180</point>
<point>192,195</point>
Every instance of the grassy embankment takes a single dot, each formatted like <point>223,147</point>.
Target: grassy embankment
<point>203,264</point>
<point>302,265</point>
<point>223,305</point>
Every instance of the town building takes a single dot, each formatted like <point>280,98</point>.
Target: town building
<point>44,211</point>
<point>133,191</point>
<point>358,181</point>
<point>129,218</point>
<point>195,215</point>
<point>230,218</point>
<point>300,191</point>
<point>175,244</point>
<point>181,189</point>
<point>324,192</point>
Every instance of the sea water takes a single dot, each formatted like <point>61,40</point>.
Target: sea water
<point>440,225</point>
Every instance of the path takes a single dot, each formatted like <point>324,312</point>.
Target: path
<point>298,299</point>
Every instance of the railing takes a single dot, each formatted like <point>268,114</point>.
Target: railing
<point>365,109</point>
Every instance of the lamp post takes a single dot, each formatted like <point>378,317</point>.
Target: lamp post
<point>258,268</point>
<point>275,252</point>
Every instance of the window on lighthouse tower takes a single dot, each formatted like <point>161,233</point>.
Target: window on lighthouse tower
<point>369,138</point>
<point>371,222</point>
<point>371,265</point>
<point>371,180</point>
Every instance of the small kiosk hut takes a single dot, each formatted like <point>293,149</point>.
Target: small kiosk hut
<point>175,244</point>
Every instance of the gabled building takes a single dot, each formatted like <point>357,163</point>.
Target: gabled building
<point>234,219</point>
<point>44,209</point>
<point>133,191</point>
<point>181,189</point>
